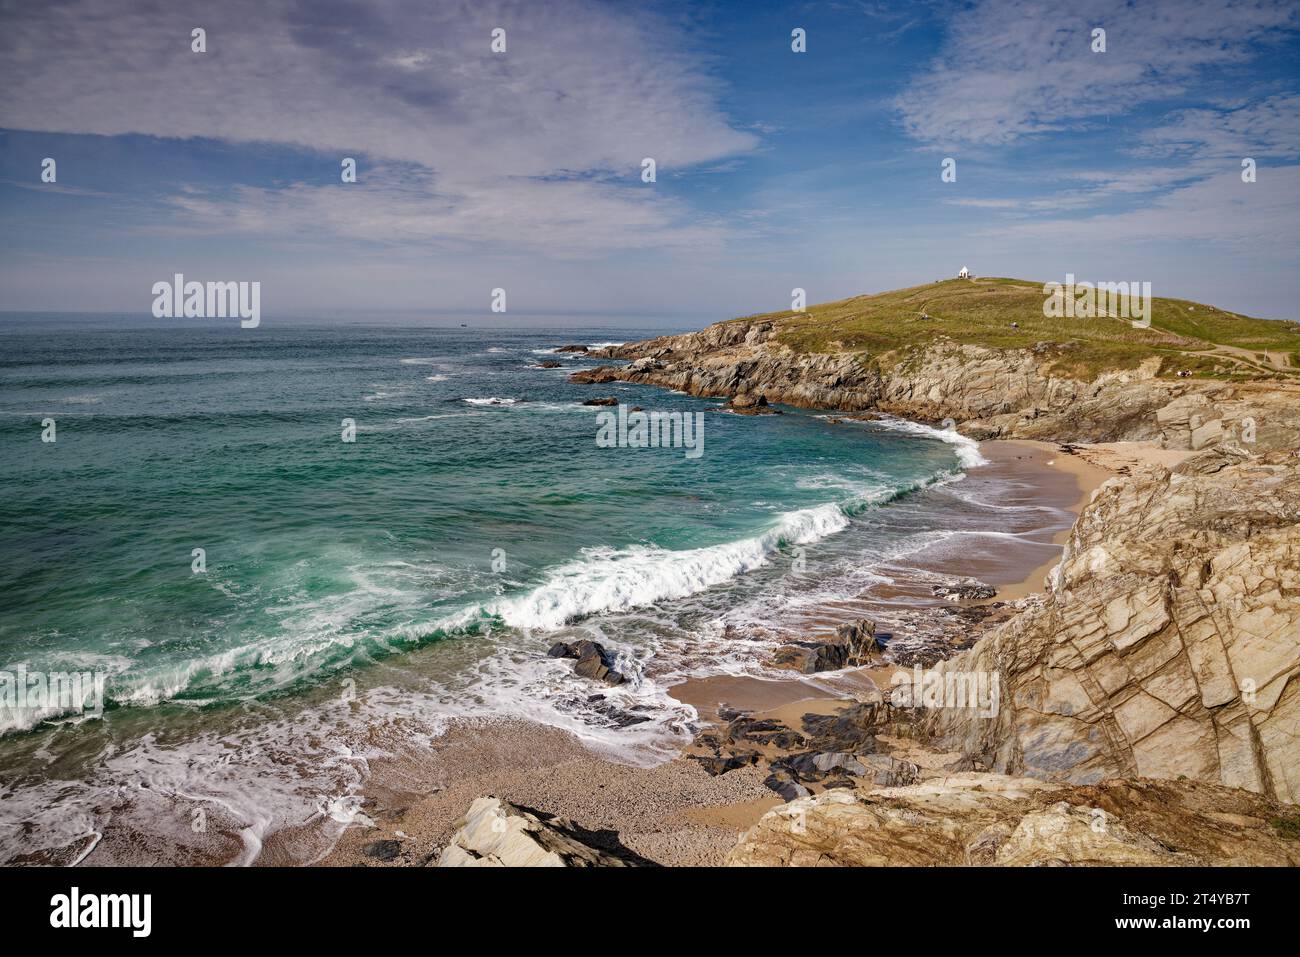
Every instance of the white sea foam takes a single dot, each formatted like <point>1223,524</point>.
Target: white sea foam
<point>967,449</point>
<point>491,400</point>
<point>609,579</point>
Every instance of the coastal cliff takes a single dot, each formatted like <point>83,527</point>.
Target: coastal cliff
<point>1167,642</point>
<point>989,393</point>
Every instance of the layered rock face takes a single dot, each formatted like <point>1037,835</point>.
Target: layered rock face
<point>982,819</point>
<point>1168,642</point>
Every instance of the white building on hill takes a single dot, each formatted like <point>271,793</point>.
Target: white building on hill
<point>964,274</point>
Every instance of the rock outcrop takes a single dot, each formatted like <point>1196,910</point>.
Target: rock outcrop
<point>1168,645</point>
<point>852,644</point>
<point>496,833</point>
<point>593,660</point>
<point>980,819</point>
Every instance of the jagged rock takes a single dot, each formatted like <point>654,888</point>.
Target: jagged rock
<point>593,660</point>
<point>718,764</point>
<point>747,404</point>
<point>851,729</point>
<point>810,656</point>
<point>980,819</point>
<point>1168,640</point>
<point>784,784</point>
<point>573,348</point>
<point>609,400</point>
<point>496,833</point>
<point>598,375</point>
<point>550,364</point>
<point>852,644</point>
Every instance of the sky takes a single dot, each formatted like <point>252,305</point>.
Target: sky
<point>522,169</point>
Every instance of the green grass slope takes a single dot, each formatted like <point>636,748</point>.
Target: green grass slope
<point>1187,335</point>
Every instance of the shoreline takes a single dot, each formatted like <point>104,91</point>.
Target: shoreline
<point>675,813</point>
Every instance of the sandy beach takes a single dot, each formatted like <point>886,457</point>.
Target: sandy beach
<point>675,813</point>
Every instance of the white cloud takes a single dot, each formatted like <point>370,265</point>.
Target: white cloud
<point>522,147</point>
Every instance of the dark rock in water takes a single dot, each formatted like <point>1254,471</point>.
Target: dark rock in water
<point>966,589</point>
<point>853,644</point>
<point>619,717</point>
<point>809,657</point>
<point>721,765</point>
<point>550,364</point>
<point>572,349</point>
<point>593,660</point>
<point>609,400</point>
<point>600,374</point>
<point>784,784</point>
<point>383,850</point>
<point>749,404</point>
<point>859,637</point>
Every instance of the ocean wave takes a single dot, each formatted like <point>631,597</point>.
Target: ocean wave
<point>491,400</point>
<point>967,449</point>
<point>609,579</point>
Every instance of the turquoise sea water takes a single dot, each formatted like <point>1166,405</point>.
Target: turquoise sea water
<point>473,521</point>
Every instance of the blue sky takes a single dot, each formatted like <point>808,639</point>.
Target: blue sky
<point>522,170</point>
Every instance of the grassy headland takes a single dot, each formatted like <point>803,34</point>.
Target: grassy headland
<point>1203,340</point>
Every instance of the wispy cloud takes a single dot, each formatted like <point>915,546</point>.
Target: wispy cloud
<point>1220,209</point>
<point>1008,71</point>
